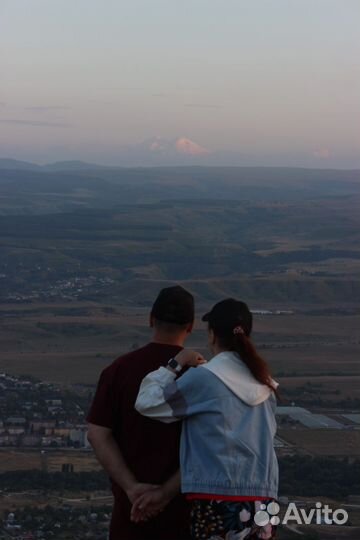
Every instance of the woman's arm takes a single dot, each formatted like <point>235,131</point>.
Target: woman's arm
<point>163,398</point>
<point>151,400</point>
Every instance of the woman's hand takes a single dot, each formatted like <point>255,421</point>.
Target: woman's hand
<point>189,358</point>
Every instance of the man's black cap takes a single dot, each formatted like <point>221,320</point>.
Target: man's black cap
<point>228,314</point>
<point>174,305</point>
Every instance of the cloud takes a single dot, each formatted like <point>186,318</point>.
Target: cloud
<point>322,153</point>
<point>156,146</point>
<point>32,123</point>
<point>186,146</point>
<point>48,108</point>
<point>181,145</point>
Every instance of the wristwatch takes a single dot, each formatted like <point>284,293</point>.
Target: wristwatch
<point>174,364</point>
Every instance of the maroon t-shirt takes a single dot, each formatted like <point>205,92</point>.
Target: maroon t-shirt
<point>150,448</point>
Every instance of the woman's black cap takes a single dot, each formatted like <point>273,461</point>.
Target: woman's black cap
<point>228,314</point>
<point>174,305</point>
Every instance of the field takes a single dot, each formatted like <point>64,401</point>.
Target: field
<point>50,460</point>
<point>324,442</point>
<point>39,339</point>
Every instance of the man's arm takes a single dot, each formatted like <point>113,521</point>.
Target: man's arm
<point>109,455</point>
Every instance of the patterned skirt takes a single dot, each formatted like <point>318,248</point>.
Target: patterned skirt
<point>233,520</point>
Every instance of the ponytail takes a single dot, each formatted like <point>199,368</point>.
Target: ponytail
<point>256,364</point>
<point>239,341</point>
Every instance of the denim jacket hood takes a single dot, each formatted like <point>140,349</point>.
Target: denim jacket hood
<point>232,371</point>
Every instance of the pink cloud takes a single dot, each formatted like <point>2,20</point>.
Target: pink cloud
<point>186,146</point>
<point>322,153</point>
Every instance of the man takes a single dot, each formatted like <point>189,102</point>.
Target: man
<point>140,454</point>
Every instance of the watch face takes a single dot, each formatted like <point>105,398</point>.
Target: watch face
<point>174,364</point>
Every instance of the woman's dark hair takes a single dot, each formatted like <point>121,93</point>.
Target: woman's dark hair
<point>231,321</point>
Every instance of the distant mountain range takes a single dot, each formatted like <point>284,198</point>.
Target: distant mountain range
<point>183,145</point>
<point>14,164</point>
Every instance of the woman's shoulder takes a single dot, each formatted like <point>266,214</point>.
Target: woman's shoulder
<point>199,380</point>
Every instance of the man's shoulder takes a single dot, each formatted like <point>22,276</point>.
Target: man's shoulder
<point>139,362</point>
<point>124,360</point>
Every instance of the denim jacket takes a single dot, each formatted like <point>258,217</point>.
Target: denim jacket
<point>228,426</point>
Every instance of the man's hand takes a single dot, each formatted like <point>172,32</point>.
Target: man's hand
<point>153,502</point>
<point>149,504</point>
<point>137,490</point>
<point>187,357</point>
<point>109,454</point>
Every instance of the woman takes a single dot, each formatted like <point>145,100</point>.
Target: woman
<point>229,469</point>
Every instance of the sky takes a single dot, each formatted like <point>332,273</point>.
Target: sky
<point>152,82</point>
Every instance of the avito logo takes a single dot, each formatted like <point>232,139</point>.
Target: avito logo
<point>319,515</point>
